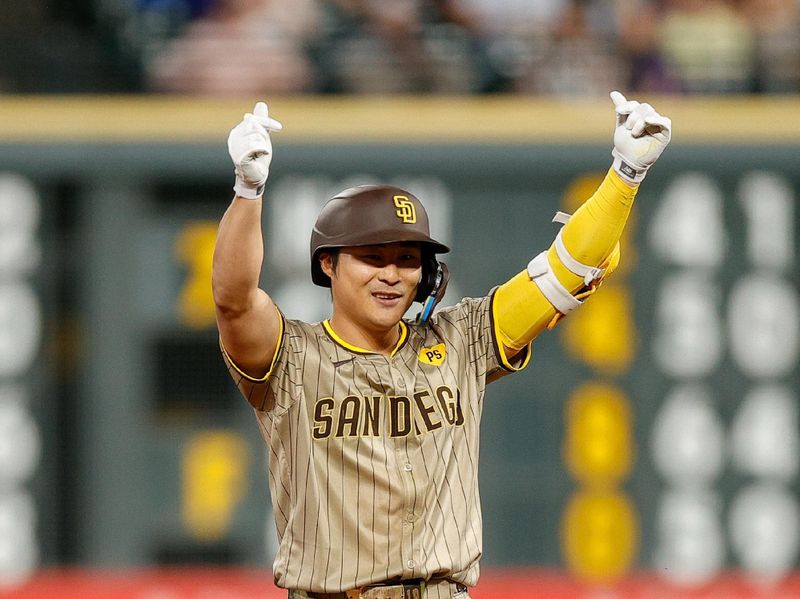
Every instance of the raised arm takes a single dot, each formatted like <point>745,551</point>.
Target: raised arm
<point>249,323</point>
<point>586,250</point>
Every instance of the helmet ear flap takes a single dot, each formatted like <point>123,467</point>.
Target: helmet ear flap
<point>428,280</point>
<point>434,286</point>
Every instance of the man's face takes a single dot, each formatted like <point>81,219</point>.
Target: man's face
<point>374,285</point>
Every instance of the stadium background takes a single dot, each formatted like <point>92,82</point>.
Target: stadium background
<point>652,446</point>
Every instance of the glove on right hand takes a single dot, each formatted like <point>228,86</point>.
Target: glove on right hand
<point>640,136</point>
<point>250,148</point>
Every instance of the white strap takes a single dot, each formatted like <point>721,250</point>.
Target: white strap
<point>561,217</point>
<point>626,170</point>
<point>545,279</point>
<point>589,273</point>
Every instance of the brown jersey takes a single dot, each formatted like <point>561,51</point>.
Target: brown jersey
<point>373,459</point>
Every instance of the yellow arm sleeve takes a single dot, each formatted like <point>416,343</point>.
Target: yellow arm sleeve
<point>521,312</point>
<point>591,236</point>
<point>594,230</point>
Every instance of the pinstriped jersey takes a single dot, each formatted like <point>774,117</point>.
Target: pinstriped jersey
<point>373,458</point>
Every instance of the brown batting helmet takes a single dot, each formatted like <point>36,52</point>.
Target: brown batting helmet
<point>371,215</point>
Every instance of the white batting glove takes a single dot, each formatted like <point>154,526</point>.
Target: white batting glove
<point>640,136</point>
<point>250,149</point>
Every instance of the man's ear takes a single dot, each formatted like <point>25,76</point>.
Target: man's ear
<point>326,263</point>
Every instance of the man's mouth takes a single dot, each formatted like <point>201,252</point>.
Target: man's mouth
<point>387,296</point>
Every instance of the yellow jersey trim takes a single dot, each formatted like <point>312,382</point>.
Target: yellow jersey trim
<point>278,348</point>
<point>360,350</point>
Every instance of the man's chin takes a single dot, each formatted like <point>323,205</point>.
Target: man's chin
<point>390,316</point>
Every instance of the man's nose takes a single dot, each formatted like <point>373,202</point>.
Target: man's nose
<point>389,273</point>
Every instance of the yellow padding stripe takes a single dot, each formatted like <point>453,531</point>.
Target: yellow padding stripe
<point>388,120</point>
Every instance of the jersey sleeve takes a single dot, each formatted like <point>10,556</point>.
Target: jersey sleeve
<point>471,323</point>
<point>262,393</point>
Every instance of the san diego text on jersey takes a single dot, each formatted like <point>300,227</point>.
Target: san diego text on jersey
<point>425,411</point>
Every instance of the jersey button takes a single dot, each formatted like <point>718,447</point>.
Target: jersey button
<point>408,467</point>
<point>410,517</point>
<point>411,564</point>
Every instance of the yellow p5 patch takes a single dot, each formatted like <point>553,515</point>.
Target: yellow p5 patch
<point>433,355</point>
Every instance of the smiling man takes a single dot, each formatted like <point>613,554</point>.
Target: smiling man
<point>372,421</point>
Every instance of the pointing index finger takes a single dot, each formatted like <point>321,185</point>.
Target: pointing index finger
<point>617,98</point>
<point>261,112</point>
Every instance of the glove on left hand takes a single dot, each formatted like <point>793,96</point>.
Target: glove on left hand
<point>640,136</point>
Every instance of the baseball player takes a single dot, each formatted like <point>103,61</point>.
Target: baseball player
<point>372,421</point>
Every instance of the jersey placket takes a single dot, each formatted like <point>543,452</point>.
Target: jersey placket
<point>403,450</point>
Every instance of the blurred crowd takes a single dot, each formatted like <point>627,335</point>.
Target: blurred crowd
<point>556,47</point>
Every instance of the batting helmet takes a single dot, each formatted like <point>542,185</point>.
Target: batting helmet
<point>372,215</point>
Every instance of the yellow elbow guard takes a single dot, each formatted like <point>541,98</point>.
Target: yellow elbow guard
<point>589,278</point>
<point>561,277</point>
<point>544,276</point>
<point>522,310</point>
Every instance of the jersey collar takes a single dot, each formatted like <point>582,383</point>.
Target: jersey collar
<point>360,350</point>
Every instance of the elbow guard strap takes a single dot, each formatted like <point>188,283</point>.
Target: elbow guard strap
<point>590,274</point>
<point>546,280</point>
